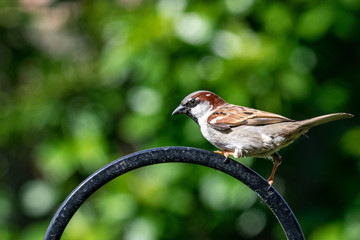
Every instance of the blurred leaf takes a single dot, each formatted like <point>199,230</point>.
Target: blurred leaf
<point>350,140</point>
<point>316,22</point>
<point>331,231</point>
<point>278,19</point>
<point>331,98</point>
<point>295,86</point>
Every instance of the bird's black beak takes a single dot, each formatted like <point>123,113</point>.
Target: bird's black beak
<point>180,110</point>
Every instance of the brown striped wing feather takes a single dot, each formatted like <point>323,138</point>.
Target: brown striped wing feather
<point>231,115</point>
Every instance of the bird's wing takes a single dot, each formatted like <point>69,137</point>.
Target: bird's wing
<point>231,115</point>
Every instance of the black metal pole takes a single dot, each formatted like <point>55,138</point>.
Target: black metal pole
<point>174,154</point>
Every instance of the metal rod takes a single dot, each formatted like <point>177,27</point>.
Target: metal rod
<point>136,160</point>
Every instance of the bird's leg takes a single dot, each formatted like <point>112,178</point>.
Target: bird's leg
<point>226,154</point>
<point>276,158</point>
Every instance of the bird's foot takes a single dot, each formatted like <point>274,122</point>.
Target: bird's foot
<point>226,154</point>
<point>270,182</point>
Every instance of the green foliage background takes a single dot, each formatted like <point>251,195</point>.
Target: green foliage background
<point>85,82</point>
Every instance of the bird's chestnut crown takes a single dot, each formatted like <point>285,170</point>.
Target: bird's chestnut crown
<point>203,96</point>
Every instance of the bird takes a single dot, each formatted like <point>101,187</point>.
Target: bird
<point>246,132</point>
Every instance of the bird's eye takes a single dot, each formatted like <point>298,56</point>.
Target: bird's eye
<point>192,103</point>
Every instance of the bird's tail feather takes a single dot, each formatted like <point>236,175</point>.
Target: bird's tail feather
<point>324,119</point>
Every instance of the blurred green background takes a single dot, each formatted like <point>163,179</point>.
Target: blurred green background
<point>86,82</point>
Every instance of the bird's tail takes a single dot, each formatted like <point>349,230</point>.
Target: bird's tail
<point>324,119</point>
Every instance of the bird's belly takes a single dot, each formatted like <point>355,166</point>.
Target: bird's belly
<point>250,141</point>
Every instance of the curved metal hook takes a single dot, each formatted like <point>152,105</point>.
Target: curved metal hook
<point>136,160</point>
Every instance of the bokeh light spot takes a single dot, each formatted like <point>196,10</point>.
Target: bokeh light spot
<point>238,6</point>
<point>303,59</point>
<point>350,142</point>
<point>227,44</point>
<point>170,8</point>
<point>144,100</point>
<point>193,29</point>
<point>142,228</point>
<point>331,97</point>
<point>251,222</point>
<point>37,198</point>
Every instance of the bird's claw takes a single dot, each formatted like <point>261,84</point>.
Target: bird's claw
<point>225,154</point>
<point>270,182</point>
<point>226,160</point>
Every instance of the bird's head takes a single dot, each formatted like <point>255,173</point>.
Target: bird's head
<point>199,104</point>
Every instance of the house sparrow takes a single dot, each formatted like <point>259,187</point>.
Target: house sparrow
<point>246,132</point>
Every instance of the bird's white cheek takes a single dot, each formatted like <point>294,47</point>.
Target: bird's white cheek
<point>201,110</point>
